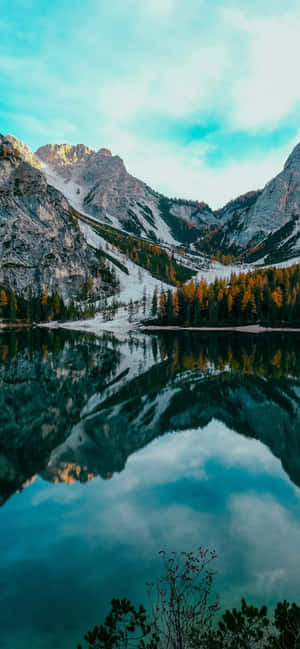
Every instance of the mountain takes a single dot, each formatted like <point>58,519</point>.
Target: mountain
<point>41,246</point>
<point>98,184</point>
<point>259,225</point>
<point>265,223</point>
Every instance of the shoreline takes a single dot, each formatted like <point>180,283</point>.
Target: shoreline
<point>257,329</point>
<point>124,327</point>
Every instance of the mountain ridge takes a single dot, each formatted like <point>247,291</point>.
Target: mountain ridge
<point>243,223</point>
<point>43,194</point>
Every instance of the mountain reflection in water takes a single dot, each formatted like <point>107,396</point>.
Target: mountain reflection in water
<point>113,449</point>
<point>74,406</point>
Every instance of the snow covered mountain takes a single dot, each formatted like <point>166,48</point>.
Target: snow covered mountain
<point>98,184</point>
<point>263,225</point>
<point>259,227</point>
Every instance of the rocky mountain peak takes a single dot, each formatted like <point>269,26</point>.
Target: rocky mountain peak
<point>17,174</point>
<point>63,154</point>
<point>23,151</point>
<point>293,159</point>
<point>105,152</point>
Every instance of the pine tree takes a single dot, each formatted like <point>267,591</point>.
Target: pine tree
<point>154,303</point>
<point>13,306</point>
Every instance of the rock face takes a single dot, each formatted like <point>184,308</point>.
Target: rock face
<point>270,218</point>
<point>41,246</point>
<point>23,151</point>
<point>61,156</point>
<point>238,207</point>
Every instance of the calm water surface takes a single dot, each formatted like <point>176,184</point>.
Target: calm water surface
<point>111,450</point>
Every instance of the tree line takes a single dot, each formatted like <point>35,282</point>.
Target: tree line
<point>16,308</point>
<point>266,296</point>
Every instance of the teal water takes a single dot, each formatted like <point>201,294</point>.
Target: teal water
<point>111,450</point>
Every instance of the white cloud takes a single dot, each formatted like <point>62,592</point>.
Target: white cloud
<point>194,63</point>
<point>62,128</point>
<point>179,84</point>
<point>269,91</point>
<point>244,75</point>
<point>150,9</point>
<point>271,559</point>
<point>177,455</point>
<point>157,8</point>
<point>182,171</point>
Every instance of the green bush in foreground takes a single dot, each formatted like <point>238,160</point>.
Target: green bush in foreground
<point>181,615</point>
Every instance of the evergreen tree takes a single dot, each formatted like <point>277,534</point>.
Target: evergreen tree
<point>154,303</point>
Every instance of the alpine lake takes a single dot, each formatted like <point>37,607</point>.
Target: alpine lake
<point>114,449</point>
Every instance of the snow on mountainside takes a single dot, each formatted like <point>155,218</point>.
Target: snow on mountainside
<point>98,184</point>
<point>137,281</point>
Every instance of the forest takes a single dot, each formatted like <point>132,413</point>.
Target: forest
<point>159,262</point>
<point>18,309</point>
<point>269,296</point>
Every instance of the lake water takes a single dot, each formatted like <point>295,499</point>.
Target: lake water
<point>111,450</point>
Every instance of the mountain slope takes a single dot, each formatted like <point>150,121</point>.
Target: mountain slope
<point>268,223</point>
<point>41,246</point>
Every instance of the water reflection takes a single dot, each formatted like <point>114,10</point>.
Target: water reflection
<point>75,407</point>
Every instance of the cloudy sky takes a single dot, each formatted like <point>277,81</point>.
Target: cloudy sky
<point>200,98</point>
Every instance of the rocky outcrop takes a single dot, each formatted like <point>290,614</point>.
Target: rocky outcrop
<point>278,203</point>
<point>61,155</point>
<point>264,214</point>
<point>23,151</point>
<point>41,246</point>
<point>237,208</point>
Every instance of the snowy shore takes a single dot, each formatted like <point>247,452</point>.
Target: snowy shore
<point>121,325</point>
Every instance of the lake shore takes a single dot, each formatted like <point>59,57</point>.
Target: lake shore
<point>255,329</point>
<point>121,325</point>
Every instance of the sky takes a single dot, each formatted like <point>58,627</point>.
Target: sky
<point>201,99</point>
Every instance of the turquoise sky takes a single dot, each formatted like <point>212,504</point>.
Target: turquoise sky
<point>201,99</point>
